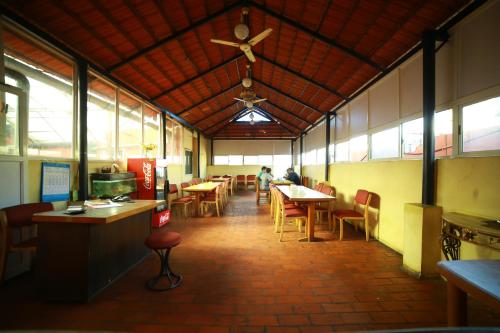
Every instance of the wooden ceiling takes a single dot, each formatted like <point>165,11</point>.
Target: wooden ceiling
<point>319,53</point>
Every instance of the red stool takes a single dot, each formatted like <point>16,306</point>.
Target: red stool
<point>162,242</point>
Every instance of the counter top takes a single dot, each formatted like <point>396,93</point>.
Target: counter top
<point>99,215</point>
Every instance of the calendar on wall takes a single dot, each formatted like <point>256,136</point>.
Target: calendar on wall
<point>55,182</point>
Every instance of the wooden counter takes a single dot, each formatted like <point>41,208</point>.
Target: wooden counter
<point>79,255</point>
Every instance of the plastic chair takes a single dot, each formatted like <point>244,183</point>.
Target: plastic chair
<point>17,218</point>
<point>362,199</point>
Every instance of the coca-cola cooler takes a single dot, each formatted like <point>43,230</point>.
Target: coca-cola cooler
<point>152,184</point>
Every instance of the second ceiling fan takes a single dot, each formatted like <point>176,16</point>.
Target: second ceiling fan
<point>247,95</point>
<point>241,31</point>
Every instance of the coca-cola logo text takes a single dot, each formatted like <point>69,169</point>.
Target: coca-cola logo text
<point>146,168</point>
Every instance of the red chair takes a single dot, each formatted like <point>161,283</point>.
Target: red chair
<point>162,243</point>
<point>326,207</point>
<point>241,180</point>
<point>183,203</point>
<point>362,199</point>
<point>251,181</point>
<point>16,218</point>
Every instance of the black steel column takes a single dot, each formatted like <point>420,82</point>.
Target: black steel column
<point>327,141</point>
<point>429,91</point>
<point>212,151</point>
<point>164,137</point>
<point>291,149</point>
<point>301,151</point>
<point>83,171</point>
<point>199,145</point>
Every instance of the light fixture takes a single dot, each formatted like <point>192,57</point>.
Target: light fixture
<point>251,118</point>
<point>246,82</point>
<point>241,31</point>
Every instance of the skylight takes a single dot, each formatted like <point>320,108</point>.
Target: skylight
<point>256,117</point>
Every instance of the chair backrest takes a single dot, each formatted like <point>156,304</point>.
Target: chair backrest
<point>20,215</point>
<point>173,189</point>
<point>240,177</point>
<point>251,177</point>
<point>215,176</point>
<point>326,189</point>
<point>318,187</point>
<point>362,197</point>
<point>196,181</point>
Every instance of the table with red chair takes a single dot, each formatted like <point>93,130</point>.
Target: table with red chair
<point>199,189</point>
<point>302,194</point>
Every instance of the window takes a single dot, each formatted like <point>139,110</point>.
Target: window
<point>342,152</point>
<point>251,160</point>
<point>266,160</point>
<point>412,133</point>
<point>235,159</point>
<point>358,149</point>
<point>48,80</point>
<point>280,164</point>
<point>481,126</point>
<point>9,145</point>
<point>443,133</point>
<point>331,152</point>
<point>310,157</point>
<point>252,117</point>
<point>169,128</point>
<point>321,156</point>
<point>385,144</point>
<point>221,160</point>
<point>151,128</point>
<point>101,119</point>
<point>130,127</point>
<point>188,162</point>
<point>177,143</point>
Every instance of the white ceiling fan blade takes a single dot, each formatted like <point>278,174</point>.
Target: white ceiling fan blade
<point>224,42</point>
<point>260,36</point>
<point>259,100</point>
<point>239,99</point>
<point>249,54</point>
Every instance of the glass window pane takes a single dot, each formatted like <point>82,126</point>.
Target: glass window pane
<point>358,149</point>
<point>412,133</point>
<point>481,126</point>
<point>266,160</point>
<point>101,119</point>
<point>321,156</point>
<point>280,164</point>
<point>221,160</point>
<point>235,159</point>
<point>443,133</point>
<point>129,127</point>
<point>151,128</point>
<point>251,160</point>
<point>342,152</point>
<point>49,89</point>
<point>9,125</point>
<point>331,152</point>
<point>169,138</point>
<point>177,143</point>
<point>310,157</point>
<point>385,144</point>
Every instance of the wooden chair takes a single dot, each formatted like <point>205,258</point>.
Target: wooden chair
<point>326,207</point>
<point>251,180</point>
<point>183,202</point>
<point>259,191</point>
<point>186,194</point>
<point>18,218</point>
<point>196,181</point>
<point>212,198</point>
<point>287,214</point>
<point>362,199</point>
<point>241,180</point>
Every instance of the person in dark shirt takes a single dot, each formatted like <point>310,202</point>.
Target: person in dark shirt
<point>292,176</point>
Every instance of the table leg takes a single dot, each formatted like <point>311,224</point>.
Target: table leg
<point>457,306</point>
<point>197,203</point>
<point>311,211</point>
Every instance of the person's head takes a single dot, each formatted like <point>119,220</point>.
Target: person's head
<point>263,169</point>
<point>289,170</point>
<point>268,170</point>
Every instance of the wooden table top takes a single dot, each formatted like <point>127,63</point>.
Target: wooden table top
<point>203,187</point>
<point>99,215</point>
<point>480,278</point>
<point>302,193</point>
<point>281,182</point>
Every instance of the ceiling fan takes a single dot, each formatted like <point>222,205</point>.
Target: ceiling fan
<point>241,32</point>
<point>247,95</point>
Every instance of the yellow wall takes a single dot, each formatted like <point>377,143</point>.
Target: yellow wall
<point>316,173</point>
<point>204,147</point>
<point>468,185</point>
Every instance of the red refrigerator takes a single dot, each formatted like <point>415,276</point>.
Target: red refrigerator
<point>152,184</point>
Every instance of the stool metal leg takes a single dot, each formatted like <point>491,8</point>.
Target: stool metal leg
<point>174,279</point>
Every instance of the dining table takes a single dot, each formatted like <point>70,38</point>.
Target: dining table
<point>197,190</point>
<point>281,182</point>
<point>310,197</point>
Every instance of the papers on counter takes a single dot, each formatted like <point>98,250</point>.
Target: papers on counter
<point>101,204</point>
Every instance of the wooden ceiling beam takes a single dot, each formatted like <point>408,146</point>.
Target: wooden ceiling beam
<point>199,75</point>
<point>215,113</point>
<point>300,75</point>
<point>174,36</point>
<point>277,120</point>
<point>287,95</point>
<point>208,99</point>
<point>318,36</point>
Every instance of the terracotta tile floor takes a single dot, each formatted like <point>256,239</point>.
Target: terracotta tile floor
<point>239,278</point>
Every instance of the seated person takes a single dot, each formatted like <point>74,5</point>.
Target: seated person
<point>262,170</point>
<point>265,179</point>
<point>292,176</point>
